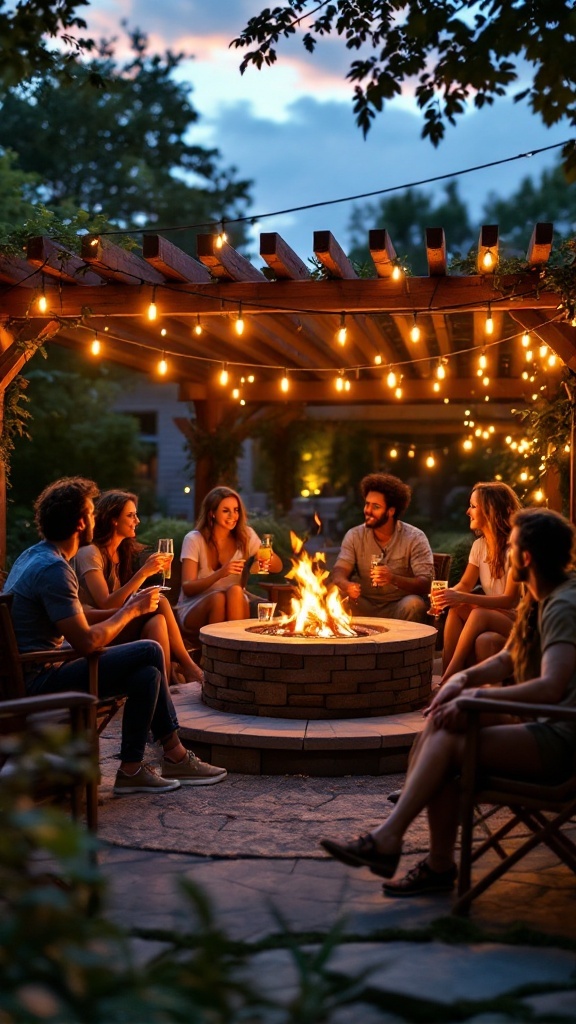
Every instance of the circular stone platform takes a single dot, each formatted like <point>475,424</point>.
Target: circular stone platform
<point>386,672</point>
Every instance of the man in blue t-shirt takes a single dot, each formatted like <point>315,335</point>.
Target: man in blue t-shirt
<point>47,613</point>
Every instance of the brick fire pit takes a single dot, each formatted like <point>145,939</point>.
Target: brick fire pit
<point>386,672</point>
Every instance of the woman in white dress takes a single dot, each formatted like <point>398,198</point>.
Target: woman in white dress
<point>213,557</point>
<point>493,612</point>
<point>105,571</point>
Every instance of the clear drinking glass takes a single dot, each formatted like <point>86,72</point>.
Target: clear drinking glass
<point>166,547</point>
<point>375,560</point>
<point>266,611</point>
<point>435,588</point>
<point>265,553</point>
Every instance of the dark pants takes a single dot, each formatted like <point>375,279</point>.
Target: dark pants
<point>135,671</point>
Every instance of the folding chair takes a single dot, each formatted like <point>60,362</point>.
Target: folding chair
<point>542,809</point>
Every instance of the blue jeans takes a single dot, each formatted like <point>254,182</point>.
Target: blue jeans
<point>134,671</point>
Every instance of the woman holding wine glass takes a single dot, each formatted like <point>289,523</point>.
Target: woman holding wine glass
<point>213,558</point>
<point>105,570</point>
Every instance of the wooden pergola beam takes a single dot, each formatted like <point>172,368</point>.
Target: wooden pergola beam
<point>285,263</point>
<point>487,258</point>
<point>540,245</point>
<point>224,262</point>
<point>382,252</point>
<point>171,262</point>
<point>116,264</point>
<point>436,251</point>
<point>58,262</point>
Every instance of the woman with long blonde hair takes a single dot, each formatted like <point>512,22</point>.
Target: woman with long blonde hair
<point>470,614</point>
<point>213,558</point>
<point>107,576</point>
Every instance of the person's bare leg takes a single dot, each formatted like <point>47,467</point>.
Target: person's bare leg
<point>453,627</point>
<point>211,609</point>
<point>480,620</point>
<point>488,644</point>
<point>177,646</point>
<point>237,604</point>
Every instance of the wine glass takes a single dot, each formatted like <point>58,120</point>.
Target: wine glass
<point>375,560</point>
<point>166,547</point>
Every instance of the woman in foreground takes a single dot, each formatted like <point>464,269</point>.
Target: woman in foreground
<point>213,558</point>
<point>105,570</point>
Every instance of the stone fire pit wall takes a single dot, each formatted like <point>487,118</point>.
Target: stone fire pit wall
<point>250,673</point>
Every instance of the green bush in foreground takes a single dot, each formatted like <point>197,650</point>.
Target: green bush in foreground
<point>63,962</point>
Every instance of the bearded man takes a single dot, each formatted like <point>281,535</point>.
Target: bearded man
<point>397,587</point>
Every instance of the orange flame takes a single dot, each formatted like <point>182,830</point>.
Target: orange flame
<point>318,610</point>
<point>318,522</point>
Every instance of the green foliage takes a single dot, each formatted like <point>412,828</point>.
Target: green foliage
<point>61,959</point>
<point>124,148</point>
<point>165,527</point>
<point>23,31</point>
<point>449,53</point>
<point>73,429</point>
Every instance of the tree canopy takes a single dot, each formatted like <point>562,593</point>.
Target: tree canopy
<point>449,52</point>
<point>122,150</point>
<point>24,32</point>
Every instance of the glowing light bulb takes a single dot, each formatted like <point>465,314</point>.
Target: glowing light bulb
<point>391,379</point>
<point>393,453</point>
<point>339,383</point>
<point>284,383</point>
<point>95,347</point>
<point>489,325</point>
<point>468,444</point>
<point>163,366</point>
<point>378,359</point>
<point>525,339</point>
<point>441,371</point>
<point>523,476</point>
<point>223,378</point>
<point>539,495</point>
<point>482,361</point>
<point>543,351</point>
<point>398,394</point>
<point>236,393</point>
<point>485,381</point>
<point>430,461</point>
<point>250,378</point>
<point>342,333</point>
<point>163,332</point>
<point>198,326</point>
<point>152,311</point>
<point>436,386</point>
<point>239,325</point>
<point>397,273</point>
<point>488,259</point>
<point>411,453</point>
<point>552,360</point>
<point>415,331</point>
<point>529,355</point>
<point>42,303</point>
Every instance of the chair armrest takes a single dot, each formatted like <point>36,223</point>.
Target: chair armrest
<point>48,657</point>
<point>46,702</point>
<point>521,709</point>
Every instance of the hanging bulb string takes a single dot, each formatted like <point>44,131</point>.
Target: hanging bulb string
<point>254,217</point>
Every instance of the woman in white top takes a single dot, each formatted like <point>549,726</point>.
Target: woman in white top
<point>470,615</point>
<point>106,575</point>
<point>213,557</point>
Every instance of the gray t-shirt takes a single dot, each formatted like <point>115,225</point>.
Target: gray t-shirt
<point>45,591</point>
<point>557,625</point>
<point>408,553</point>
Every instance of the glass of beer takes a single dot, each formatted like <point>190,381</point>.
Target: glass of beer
<point>435,588</point>
<point>265,554</point>
<point>166,547</point>
<point>375,560</point>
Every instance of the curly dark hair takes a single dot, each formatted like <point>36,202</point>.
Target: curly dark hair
<point>550,539</point>
<point>109,506</point>
<point>60,506</point>
<point>205,521</point>
<point>396,492</point>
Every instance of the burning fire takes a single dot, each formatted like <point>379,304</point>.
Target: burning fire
<point>318,610</point>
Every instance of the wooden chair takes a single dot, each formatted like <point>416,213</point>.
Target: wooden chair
<point>542,809</point>
<point>15,701</point>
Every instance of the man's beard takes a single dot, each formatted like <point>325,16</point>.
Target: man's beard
<point>519,573</point>
<point>87,535</point>
<point>385,518</point>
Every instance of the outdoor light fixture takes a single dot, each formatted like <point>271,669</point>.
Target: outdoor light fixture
<point>415,332</point>
<point>224,374</point>
<point>441,371</point>
<point>239,322</point>
<point>95,346</point>
<point>525,339</point>
<point>221,236</point>
<point>489,325</point>
<point>378,359</point>
<point>285,383</point>
<point>342,330</point>
<point>430,461</point>
<point>391,379</point>
<point>398,394</point>
<point>397,273</point>
<point>163,366</point>
<point>152,308</point>
<point>488,259</point>
<point>198,325</point>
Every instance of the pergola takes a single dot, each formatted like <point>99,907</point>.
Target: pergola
<point>292,316</point>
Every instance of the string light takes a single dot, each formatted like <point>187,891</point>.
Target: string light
<point>529,355</point>
<point>468,444</point>
<point>42,303</point>
<point>392,379</point>
<point>398,393</point>
<point>342,333</point>
<point>441,371</point>
<point>163,366</point>
<point>543,351</point>
<point>482,360</point>
<point>378,359</point>
<point>397,272</point>
<point>95,346</point>
<point>285,382</point>
<point>152,308</point>
<point>430,461</point>
<point>224,376</point>
<point>488,259</point>
<point>239,322</point>
<point>415,331</point>
<point>539,495</point>
<point>393,453</point>
<point>236,393</point>
<point>525,339</point>
<point>198,325</point>
<point>489,325</point>
<point>436,386</point>
<point>411,452</point>
<point>221,236</point>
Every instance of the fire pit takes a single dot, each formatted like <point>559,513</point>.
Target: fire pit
<point>386,671</point>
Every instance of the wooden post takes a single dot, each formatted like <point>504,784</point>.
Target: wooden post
<point>572,494</point>
<point>2,491</point>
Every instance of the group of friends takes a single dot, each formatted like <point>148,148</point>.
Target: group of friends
<point>509,631</point>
